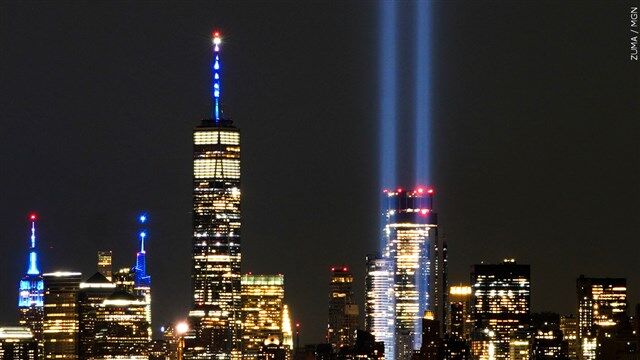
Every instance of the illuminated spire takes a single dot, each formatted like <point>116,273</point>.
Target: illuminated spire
<point>215,68</point>
<point>33,255</point>
<point>31,287</point>
<point>141,277</point>
<point>143,234</point>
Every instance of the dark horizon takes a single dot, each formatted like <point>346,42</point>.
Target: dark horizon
<point>534,124</point>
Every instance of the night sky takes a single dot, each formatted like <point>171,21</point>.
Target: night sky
<point>535,126</point>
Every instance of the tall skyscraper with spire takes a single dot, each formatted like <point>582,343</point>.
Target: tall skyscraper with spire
<point>142,280</point>
<point>215,316</point>
<point>31,290</point>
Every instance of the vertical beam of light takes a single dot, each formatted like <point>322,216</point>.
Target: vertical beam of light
<point>387,102</point>
<point>422,119</point>
<point>387,113</point>
<point>387,87</point>
<point>423,93</point>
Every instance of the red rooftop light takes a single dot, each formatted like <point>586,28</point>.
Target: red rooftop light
<point>430,191</point>
<point>32,217</point>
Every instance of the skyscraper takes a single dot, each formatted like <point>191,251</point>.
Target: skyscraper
<point>142,280</point>
<point>414,255</point>
<point>379,301</point>
<point>287,328</point>
<point>460,324</point>
<point>262,312</point>
<point>17,343</point>
<point>343,312</point>
<point>501,304</point>
<point>432,345</point>
<point>569,328</point>
<point>91,295</point>
<point>31,290</point>
<point>60,326</point>
<point>215,316</point>
<point>105,264</point>
<point>602,306</point>
<point>124,279</point>
<point>121,328</point>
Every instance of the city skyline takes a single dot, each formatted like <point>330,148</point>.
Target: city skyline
<point>78,220</point>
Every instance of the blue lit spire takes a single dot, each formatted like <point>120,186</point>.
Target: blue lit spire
<point>141,277</point>
<point>33,255</point>
<point>215,68</point>
<point>31,287</point>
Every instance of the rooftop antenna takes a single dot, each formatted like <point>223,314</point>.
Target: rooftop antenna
<point>141,277</point>
<point>33,255</point>
<point>215,68</point>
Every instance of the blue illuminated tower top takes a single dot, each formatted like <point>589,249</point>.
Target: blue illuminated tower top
<point>141,278</point>
<point>31,286</point>
<point>216,69</point>
<point>33,255</point>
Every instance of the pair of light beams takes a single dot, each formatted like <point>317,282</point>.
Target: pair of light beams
<point>390,73</point>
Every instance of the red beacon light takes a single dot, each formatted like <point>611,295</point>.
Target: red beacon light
<point>344,268</point>
<point>33,217</point>
<point>420,190</point>
<point>430,191</point>
<point>424,211</point>
<point>399,190</point>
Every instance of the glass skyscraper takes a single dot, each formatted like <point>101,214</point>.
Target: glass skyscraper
<point>409,278</point>
<point>378,310</point>
<point>215,316</point>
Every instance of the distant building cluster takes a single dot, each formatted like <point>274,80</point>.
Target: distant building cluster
<point>410,310</point>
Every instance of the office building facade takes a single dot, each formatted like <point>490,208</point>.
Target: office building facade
<point>343,311</point>
<point>501,304</point>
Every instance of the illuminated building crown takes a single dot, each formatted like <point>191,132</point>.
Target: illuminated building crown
<point>141,278</point>
<point>31,286</point>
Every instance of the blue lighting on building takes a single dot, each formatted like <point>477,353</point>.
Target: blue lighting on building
<point>33,264</point>
<point>31,287</point>
<point>141,278</point>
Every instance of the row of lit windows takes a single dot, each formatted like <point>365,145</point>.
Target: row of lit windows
<point>211,137</point>
<point>216,168</point>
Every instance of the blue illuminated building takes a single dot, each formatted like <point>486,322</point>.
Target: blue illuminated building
<point>142,280</point>
<point>31,289</point>
<point>140,270</point>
